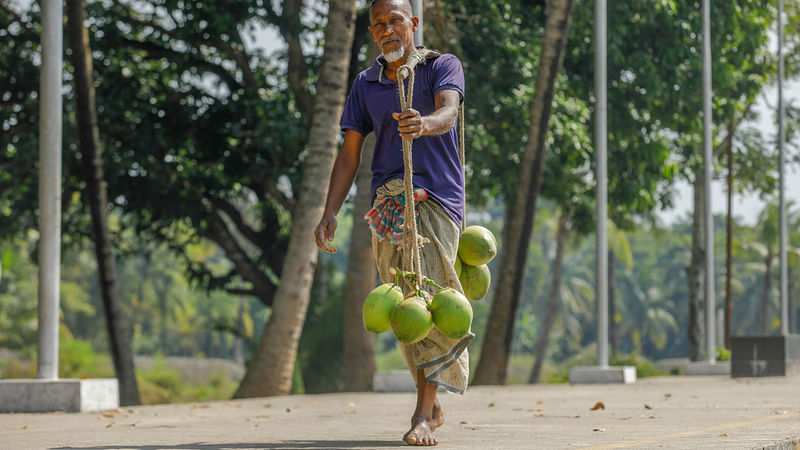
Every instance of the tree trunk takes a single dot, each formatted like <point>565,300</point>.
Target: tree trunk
<point>729,241</point>
<point>92,173</point>
<point>543,340</point>
<point>270,371</point>
<point>792,304</point>
<point>763,323</point>
<point>358,343</point>
<point>695,273</point>
<point>612,305</point>
<point>519,215</point>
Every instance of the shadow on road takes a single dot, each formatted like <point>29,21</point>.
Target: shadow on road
<point>305,444</point>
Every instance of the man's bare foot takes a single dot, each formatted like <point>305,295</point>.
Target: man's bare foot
<point>420,433</point>
<point>438,416</point>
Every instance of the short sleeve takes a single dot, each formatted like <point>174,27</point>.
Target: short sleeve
<point>448,74</point>
<point>355,115</point>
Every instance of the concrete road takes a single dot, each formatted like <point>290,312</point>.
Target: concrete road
<point>664,412</point>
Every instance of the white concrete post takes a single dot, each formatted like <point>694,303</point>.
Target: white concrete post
<point>50,188</point>
<point>601,147</point>
<point>707,164</point>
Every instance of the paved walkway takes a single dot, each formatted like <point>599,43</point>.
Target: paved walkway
<point>665,412</point>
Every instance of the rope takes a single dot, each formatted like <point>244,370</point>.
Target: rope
<point>462,155</point>
<point>411,242</point>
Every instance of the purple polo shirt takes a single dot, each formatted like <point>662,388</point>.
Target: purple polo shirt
<point>437,167</point>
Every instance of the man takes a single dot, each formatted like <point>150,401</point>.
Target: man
<point>374,105</point>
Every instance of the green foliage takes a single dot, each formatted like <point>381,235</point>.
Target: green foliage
<point>77,359</point>
<point>722,354</point>
<point>644,367</point>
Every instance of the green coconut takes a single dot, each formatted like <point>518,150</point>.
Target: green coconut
<point>411,320</point>
<point>475,280</point>
<point>378,307</point>
<point>457,266</point>
<point>452,313</point>
<point>477,246</point>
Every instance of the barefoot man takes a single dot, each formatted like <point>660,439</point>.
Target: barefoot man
<point>374,106</point>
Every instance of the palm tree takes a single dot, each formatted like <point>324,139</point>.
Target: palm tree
<point>119,334</point>
<point>519,218</point>
<point>270,372</point>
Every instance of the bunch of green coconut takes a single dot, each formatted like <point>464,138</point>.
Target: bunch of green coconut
<point>412,317</point>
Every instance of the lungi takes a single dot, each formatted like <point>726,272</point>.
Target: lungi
<point>444,361</point>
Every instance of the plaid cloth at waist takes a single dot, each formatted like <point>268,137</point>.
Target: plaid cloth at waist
<point>387,217</point>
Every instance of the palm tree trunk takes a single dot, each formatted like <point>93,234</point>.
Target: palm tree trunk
<point>519,216</point>
<point>792,304</point>
<point>764,310</point>
<point>270,371</point>
<point>729,241</point>
<point>358,343</point>
<point>543,340</point>
<point>92,172</point>
<point>612,306</point>
<point>695,273</point>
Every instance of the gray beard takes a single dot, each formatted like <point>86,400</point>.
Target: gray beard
<point>395,55</point>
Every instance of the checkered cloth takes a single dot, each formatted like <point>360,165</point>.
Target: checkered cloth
<point>387,217</point>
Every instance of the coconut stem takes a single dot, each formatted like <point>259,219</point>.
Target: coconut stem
<point>412,276</point>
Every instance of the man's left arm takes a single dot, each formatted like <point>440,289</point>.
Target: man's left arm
<point>411,124</point>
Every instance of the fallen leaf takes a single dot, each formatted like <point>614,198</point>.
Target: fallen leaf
<point>267,406</point>
<point>598,405</point>
<point>576,417</point>
<point>109,425</point>
<point>539,402</point>
<point>20,427</point>
<point>516,409</point>
<point>724,434</point>
<point>262,416</point>
<point>84,378</point>
<point>463,422</point>
<point>667,396</point>
<point>623,418</point>
<point>491,405</point>
<point>109,414</point>
<point>646,406</point>
<point>652,417</point>
<point>234,405</point>
<point>539,415</point>
<point>203,406</point>
<point>350,412</point>
<point>288,410</point>
<point>601,430</point>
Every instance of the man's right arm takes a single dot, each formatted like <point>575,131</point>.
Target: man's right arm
<point>344,172</point>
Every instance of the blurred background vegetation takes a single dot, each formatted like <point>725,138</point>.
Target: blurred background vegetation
<point>204,131</point>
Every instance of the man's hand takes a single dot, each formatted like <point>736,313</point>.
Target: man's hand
<point>410,124</point>
<point>324,233</point>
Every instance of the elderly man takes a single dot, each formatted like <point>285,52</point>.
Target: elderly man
<point>374,106</point>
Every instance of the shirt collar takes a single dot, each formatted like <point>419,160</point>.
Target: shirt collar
<point>375,71</point>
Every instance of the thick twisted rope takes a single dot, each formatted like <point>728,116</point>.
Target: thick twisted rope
<point>411,242</point>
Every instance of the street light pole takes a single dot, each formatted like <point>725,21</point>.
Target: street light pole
<point>50,188</point>
<point>707,165</point>
<point>418,11</point>
<point>601,142</point>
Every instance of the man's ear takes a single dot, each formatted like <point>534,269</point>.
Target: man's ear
<point>415,21</point>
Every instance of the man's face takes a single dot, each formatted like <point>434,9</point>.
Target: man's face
<point>392,27</point>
